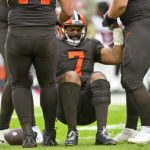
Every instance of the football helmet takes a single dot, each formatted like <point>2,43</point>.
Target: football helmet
<point>76,20</point>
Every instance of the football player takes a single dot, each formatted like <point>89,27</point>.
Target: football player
<point>84,95</point>
<point>135,16</point>
<point>6,101</point>
<point>30,41</point>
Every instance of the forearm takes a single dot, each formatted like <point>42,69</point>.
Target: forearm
<point>62,17</point>
<point>66,12</point>
<point>114,56</point>
<point>117,54</point>
<point>117,8</point>
<point>118,45</point>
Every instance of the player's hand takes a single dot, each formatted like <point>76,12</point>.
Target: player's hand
<point>109,22</point>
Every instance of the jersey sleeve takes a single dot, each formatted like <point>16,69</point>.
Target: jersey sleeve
<point>98,48</point>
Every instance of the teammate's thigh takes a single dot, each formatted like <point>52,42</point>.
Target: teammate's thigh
<point>136,53</point>
<point>19,69</point>
<point>46,58</point>
<point>18,63</point>
<point>3,33</point>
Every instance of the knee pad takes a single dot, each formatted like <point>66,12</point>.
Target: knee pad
<point>100,92</point>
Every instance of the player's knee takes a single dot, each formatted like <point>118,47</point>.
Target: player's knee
<point>23,82</point>
<point>130,86</point>
<point>98,75</point>
<point>100,92</point>
<point>71,76</point>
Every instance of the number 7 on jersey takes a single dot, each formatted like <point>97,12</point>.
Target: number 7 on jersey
<point>72,54</point>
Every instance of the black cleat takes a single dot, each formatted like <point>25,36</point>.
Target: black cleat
<point>72,138</point>
<point>29,141</point>
<point>102,138</point>
<point>49,139</point>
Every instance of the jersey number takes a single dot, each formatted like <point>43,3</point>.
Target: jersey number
<point>44,2</point>
<point>72,54</point>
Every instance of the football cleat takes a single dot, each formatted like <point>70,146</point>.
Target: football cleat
<point>142,136</point>
<point>102,138</point>
<point>39,138</point>
<point>72,138</point>
<point>125,135</point>
<point>2,133</point>
<point>49,139</point>
<point>29,141</point>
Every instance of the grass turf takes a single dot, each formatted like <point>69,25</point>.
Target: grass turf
<point>116,116</point>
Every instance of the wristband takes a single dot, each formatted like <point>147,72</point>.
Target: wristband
<point>118,36</point>
<point>108,22</point>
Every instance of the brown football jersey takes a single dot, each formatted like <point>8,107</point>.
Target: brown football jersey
<point>79,58</point>
<point>32,13</point>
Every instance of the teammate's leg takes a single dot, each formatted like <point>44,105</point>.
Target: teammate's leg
<point>134,70</point>
<point>45,64</point>
<point>130,129</point>
<point>19,65</point>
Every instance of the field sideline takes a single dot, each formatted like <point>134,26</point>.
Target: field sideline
<point>116,119</point>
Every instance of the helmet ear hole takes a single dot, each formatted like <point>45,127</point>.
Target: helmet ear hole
<point>76,20</point>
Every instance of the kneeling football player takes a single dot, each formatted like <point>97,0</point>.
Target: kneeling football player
<point>84,95</point>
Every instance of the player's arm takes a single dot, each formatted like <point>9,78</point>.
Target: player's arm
<point>113,56</point>
<point>116,9</point>
<point>66,12</point>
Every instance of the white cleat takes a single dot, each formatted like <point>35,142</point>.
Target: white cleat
<point>2,133</point>
<point>142,137</point>
<point>39,138</point>
<point>125,135</point>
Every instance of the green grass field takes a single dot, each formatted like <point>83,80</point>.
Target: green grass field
<point>116,119</point>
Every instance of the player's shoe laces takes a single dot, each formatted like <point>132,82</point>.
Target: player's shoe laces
<point>49,139</point>
<point>72,138</point>
<point>142,136</point>
<point>125,135</point>
<point>39,138</point>
<point>29,141</point>
<point>102,138</point>
<point>2,133</point>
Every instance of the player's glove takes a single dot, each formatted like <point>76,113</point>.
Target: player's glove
<point>109,22</point>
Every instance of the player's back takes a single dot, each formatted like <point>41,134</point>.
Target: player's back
<point>32,13</point>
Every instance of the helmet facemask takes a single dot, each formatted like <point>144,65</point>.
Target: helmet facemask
<point>77,20</point>
<point>75,38</point>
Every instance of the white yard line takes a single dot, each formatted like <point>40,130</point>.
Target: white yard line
<point>114,126</point>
